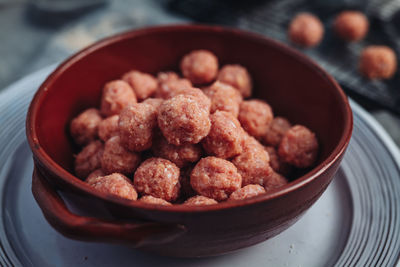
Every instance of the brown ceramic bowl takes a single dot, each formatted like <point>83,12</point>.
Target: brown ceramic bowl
<point>295,87</point>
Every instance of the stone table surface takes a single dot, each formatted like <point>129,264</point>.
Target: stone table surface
<point>33,34</point>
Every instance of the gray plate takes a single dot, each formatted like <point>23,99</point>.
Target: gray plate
<point>355,223</point>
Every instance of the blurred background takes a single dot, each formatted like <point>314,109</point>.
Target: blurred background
<point>37,33</point>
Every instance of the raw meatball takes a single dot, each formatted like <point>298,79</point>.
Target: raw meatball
<point>171,88</point>
<point>225,137</point>
<point>143,84</point>
<point>278,127</point>
<point>137,124</point>
<point>159,178</point>
<point>200,66</point>
<point>167,76</point>
<point>247,191</point>
<point>88,159</point>
<point>249,143</point>
<point>351,25</point>
<point>378,62</point>
<point>306,30</point>
<point>94,175</point>
<point>182,120</point>
<point>299,147</point>
<point>116,96</point>
<point>255,116</point>
<point>154,200</point>
<point>155,102</point>
<point>84,127</point>
<point>215,178</point>
<point>253,166</point>
<point>116,184</point>
<point>273,181</point>
<point>238,77</point>
<point>202,99</point>
<point>109,128</point>
<point>276,163</point>
<point>118,159</point>
<point>180,155</point>
<point>200,201</point>
<point>224,98</point>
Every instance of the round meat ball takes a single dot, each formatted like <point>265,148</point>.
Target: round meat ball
<point>225,137</point>
<point>180,155</point>
<point>94,174</point>
<point>159,178</point>
<point>351,25</point>
<point>278,127</point>
<point>276,163</point>
<point>238,77</point>
<point>306,30</point>
<point>249,143</point>
<point>202,99</point>
<point>378,62</point>
<point>299,147</point>
<point>200,201</point>
<point>224,98</point>
<point>118,159</point>
<point>200,66</point>
<point>171,88</point>
<point>255,116</point>
<point>154,200</point>
<point>84,127</point>
<point>273,181</point>
<point>137,124</point>
<point>182,120</point>
<point>165,76</point>
<point>253,166</point>
<point>247,191</point>
<point>89,159</point>
<point>215,178</point>
<point>143,84</point>
<point>155,102</point>
<point>116,96</point>
<point>115,184</point>
<point>109,127</point>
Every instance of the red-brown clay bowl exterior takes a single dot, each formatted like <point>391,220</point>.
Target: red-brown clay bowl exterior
<point>295,87</point>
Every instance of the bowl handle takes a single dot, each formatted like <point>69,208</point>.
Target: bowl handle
<point>94,229</point>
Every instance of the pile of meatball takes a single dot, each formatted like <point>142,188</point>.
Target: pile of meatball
<point>376,61</point>
<point>162,140</point>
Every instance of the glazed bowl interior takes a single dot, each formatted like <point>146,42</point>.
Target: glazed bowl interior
<point>294,86</point>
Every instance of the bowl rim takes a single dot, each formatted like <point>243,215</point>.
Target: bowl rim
<point>45,160</point>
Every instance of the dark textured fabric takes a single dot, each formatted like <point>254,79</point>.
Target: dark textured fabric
<point>340,59</point>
